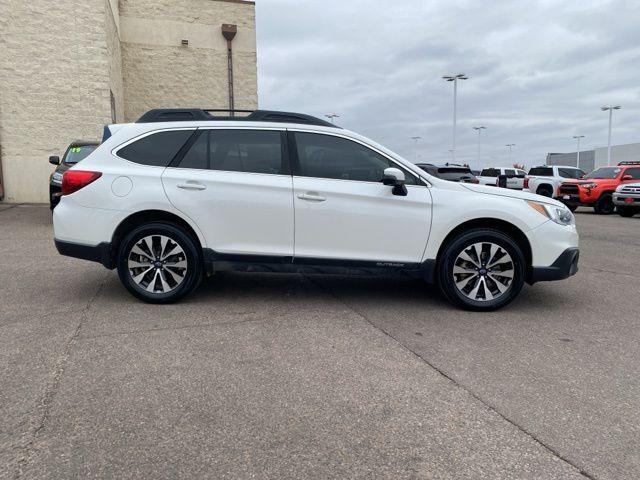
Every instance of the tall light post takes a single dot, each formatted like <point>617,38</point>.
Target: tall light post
<point>454,79</point>
<point>610,108</point>
<point>510,146</point>
<point>416,139</point>
<point>332,117</point>
<point>578,137</point>
<point>479,130</point>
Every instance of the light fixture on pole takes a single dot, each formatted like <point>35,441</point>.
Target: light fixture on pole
<point>578,137</point>
<point>479,130</point>
<point>610,109</point>
<point>454,79</point>
<point>332,117</point>
<point>510,145</point>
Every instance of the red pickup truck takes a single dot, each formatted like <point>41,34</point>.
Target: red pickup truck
<point>596,189</point>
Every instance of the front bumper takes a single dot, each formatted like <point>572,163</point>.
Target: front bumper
<point>626,199</point>
<point>563,267</point>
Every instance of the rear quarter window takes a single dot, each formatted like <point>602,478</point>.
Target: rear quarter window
<point>157,149</point>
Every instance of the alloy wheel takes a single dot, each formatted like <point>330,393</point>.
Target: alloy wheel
<point>483,271</point>
<point>157,264</point>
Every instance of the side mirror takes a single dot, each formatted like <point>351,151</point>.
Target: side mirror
<point>395,177</point>
<point>54,160</point>
<point>627,177</point>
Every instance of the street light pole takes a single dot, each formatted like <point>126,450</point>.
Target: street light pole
<point>578,137</point>
<point>610,109</point>
<point>332,117</point>
<point>510,145</point>
<point>479,130</point>
<point>416,139</point>
<point>454,79</point>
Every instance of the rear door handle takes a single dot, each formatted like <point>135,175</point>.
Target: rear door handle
<point>312,197</point>
<point>192,186</point>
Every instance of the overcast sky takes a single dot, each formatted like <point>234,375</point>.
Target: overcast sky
<point>539,71</point>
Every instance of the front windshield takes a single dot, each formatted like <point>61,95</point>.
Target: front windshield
<point>75,154</point>
<point>604,172</point>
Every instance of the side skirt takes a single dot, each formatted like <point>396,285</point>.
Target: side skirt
<point>223,262</point>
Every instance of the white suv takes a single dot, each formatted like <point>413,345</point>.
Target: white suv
<point>184,193</point>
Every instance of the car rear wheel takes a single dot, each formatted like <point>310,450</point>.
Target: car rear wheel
<point>482,269</point>
<point>605,205</point>
<point>159,263</point>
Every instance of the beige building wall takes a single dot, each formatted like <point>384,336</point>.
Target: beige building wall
<point>66,65</point>
<point>53,87</point>
<point>160,72</point>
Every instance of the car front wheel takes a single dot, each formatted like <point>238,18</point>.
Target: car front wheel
<point>159,263</point>
<point>481,269</point>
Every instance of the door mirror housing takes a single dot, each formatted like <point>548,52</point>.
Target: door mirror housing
<point>627,177</point>
<point>395,177</point>
<point>54,160</point>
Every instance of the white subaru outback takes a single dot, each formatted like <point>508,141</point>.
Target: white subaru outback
<point>184,193</point>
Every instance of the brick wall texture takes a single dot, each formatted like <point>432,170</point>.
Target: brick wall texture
<point>59,61</point>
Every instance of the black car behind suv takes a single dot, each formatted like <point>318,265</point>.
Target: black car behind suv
<point>77,151</point>
<point>451,172</point>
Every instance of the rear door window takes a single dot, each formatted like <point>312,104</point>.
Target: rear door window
<point>490,172</point>
<point>248,151</point>
<point>157,149</point>
<point>541,171</point>
<point>509,172</point>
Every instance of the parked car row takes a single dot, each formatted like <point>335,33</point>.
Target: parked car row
<point>606,189</point>
<point>597,189</point>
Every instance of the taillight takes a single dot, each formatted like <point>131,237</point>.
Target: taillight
<point>74,180</point>
<point>526,182</point>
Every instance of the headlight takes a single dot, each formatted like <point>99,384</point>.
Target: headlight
<point>560,215</point>
<point>589,185</point>
<point>57,178</point>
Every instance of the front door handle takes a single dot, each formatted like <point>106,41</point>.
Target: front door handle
<point>312,197</point>
<point>192,186</point>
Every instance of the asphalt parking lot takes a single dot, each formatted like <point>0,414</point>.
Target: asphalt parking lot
<point>288,376</point>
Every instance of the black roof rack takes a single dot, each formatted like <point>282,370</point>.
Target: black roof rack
<point>629,162</point>
<point>198,114</point>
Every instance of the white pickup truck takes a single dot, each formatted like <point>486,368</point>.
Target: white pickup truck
<point>546,179</point>
<point>515,177</point>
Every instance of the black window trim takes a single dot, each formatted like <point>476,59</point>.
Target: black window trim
<point>295,161</point>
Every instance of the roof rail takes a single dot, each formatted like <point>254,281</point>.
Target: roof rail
<point>632,162</point>
<point>198,114</point>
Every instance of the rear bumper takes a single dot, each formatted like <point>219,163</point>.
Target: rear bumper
<point>100,253</point>
<point>564,266</point>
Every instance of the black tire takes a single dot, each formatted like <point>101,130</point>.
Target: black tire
<point>572,208</point>
<point>465,242</point>
<point>605,205</point>
<point>545,191</point>
<point>160,275</point>
<point>626,211</point>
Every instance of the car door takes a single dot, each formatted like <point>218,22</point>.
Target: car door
<point>344,212</point>
<point>235,185</point>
